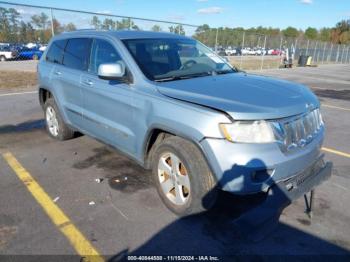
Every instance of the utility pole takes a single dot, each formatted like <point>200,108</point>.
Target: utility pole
<point>216,40</point>
<point>263,54</point>
<point>52,28</point>
<point>240,64</point>
<point>337,57</point>
<point>329,58</point>
<point>280,51</point>
<point>324,50</point>
<point>314,52</point>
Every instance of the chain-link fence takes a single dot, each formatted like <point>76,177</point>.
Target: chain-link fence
<point>26,30</point>
<point>256,51</point>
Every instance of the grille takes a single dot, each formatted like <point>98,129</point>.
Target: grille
<point>299,131</point>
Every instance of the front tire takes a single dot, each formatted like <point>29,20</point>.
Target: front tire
<point>55,125</point>
<point>183,179</point>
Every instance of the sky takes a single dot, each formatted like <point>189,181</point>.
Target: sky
<point>231,13</point>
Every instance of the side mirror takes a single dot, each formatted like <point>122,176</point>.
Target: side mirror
<point>113,71</point>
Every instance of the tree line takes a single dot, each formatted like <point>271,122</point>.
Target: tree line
<point>13,29</point>
<point>128,23</point>
<point>339,34</point>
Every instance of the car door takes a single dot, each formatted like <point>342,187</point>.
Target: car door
<point>108,108</point>
<point>67,78</point>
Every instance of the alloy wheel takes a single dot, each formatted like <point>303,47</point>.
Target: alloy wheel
<point>173,178</point>
<point>51,121</point>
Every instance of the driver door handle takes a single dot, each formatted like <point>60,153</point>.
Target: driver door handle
<point>88,82</point>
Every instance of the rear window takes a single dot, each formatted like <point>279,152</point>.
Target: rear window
<point>77,52</point>
<point>55,52</point>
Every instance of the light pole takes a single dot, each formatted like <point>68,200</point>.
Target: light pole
<point>216,40</point>
<point>52,28</point>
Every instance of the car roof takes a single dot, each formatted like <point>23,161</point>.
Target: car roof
<point>123,34</point>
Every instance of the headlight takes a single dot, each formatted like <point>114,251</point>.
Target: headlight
<point>248,132</point>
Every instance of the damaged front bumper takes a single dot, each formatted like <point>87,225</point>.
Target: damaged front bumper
<point>295,187</point>
<point>259,221</point>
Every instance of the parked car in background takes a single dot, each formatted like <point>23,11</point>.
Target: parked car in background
<point>31,45</point>
<point>270,51</point>
<point>238,51</point>
<point>221,52</point>
<point>42,48</point>
<point>259,51</point>
<point>231,51</point>
<point>198,123</point>
<point>244,51</point>
<point>30,53</point>
<point>248,51</point>
<point>276,52</point>
<point>6,53</point>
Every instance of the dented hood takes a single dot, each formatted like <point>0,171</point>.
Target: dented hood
<point>243,96</point>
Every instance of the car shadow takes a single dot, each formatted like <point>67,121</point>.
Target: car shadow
<point>237,227</point>
<point>23,127</point>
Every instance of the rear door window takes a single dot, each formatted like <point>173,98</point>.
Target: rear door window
<point>102,52</point>
<point>76,54</point>
<point>55,53</point>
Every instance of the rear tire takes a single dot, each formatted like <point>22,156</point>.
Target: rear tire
<point>182,177</point>
<point>55,125</point>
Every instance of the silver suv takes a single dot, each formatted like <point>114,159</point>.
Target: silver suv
<point>171,104</point>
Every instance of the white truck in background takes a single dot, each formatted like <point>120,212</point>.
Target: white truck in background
<point>7,54</point>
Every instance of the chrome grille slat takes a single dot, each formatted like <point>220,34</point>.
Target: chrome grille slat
<point>299,131</point>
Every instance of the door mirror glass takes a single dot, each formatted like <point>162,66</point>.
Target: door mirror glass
<point>112,71</point>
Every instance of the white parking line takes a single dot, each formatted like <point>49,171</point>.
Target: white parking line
<point>317,87</point>
<point>19,93</point>
<point>336,107</point>
<point>337,185</point>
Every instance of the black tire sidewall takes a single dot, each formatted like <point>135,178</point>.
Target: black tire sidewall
<point>195,171</point>
<point>63,131</point>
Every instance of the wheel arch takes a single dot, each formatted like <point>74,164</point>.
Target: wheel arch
<point>44,94</point>
<point>158,133</point>
<point>154,136</point>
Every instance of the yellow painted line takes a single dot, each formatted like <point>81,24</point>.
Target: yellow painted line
<point>82,246</point>
<point>335,152</point>
<point>336,107</point>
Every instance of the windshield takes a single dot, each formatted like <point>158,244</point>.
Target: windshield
<point>175,59</point>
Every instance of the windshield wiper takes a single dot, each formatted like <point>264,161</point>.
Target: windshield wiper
<point>166,79</point>
<point>222,72</point>
<point>188,76</point>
